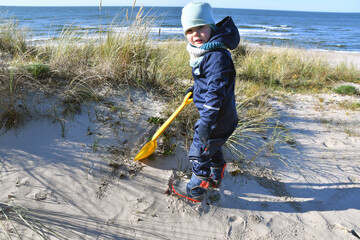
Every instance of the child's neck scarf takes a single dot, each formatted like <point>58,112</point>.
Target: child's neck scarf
<point>197,54</point>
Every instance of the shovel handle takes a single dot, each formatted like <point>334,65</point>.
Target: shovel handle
<point>185,102</point>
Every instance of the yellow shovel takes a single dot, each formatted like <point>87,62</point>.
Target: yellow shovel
<point>150,147</point>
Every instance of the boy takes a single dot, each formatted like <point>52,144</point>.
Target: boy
<point>213,94</point>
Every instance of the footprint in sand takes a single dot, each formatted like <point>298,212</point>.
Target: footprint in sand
<point>235,222</point>
<point>40,196</point>
<point>254,219</point>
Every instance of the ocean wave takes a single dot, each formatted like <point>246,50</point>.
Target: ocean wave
<point>40,39</point>
<point>177,30</point>
<point>268,38</point>
<point>168,30</point>
<point>251,31</point>
<point>263,32</point>
<point>157,30</point>
<point>336,45</point>
<point>267,27</point>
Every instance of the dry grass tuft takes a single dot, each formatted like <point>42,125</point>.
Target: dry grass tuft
<point>293,70</point>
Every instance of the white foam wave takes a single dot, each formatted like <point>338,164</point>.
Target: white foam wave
<point>264,33</point>
<point>167,30</point>
<point>89,26</point>
<point>245,30</point>
<point>242,31</point>
<point>279,38</point>
<point>36,39</point>
<point>278,27</point>
<point>161,30</point>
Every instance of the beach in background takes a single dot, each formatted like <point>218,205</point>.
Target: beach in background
<point>309,30</point>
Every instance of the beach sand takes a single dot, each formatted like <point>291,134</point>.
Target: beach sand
<point>86,186</point>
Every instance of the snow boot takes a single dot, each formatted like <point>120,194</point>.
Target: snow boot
<point>216,176</point>
<point>193,190</point>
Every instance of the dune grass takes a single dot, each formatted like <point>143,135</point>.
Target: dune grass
<point>131,57</point>
<point>11,213</point>
<point>293,70</point>
<point>13,38</point>
<point>125,55</point>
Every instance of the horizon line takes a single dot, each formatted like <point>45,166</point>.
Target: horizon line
<point>285,10</point>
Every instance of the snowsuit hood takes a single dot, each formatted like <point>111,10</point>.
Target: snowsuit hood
<point>227,33</point>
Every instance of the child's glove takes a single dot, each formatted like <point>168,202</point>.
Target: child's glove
<point>190,89</point>
<point>204,134</point>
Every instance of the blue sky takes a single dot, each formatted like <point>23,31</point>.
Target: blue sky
<point>304,5</point>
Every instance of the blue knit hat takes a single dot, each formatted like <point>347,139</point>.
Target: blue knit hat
<point>197,14</point>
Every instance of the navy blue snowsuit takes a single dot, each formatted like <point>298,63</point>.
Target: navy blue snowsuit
<point>215,99</point>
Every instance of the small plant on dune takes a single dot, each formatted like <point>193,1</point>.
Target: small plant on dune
<point>349,105</point>
<point>346,90</point>
<point>10,116</point>
<point>38,70</point>
<point>96,144</point>
<point>61,121</point>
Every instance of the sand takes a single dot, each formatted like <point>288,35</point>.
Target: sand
<point>86,186</point>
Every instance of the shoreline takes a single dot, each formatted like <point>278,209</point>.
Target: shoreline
<point>44,40</point>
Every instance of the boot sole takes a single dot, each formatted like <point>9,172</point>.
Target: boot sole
<point>187,197</point>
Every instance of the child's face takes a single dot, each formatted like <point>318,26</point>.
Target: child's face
<point>198,36</point>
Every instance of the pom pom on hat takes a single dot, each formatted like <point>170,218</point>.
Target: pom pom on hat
<point>197,14</point>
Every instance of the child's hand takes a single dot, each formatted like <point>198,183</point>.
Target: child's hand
<point>204,133</point>
<point>190,89</point>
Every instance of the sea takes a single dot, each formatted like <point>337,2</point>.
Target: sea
<point>309,30</point>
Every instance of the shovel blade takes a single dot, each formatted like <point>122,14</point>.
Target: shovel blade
<point>146,151</point>
<point>150,147</point>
